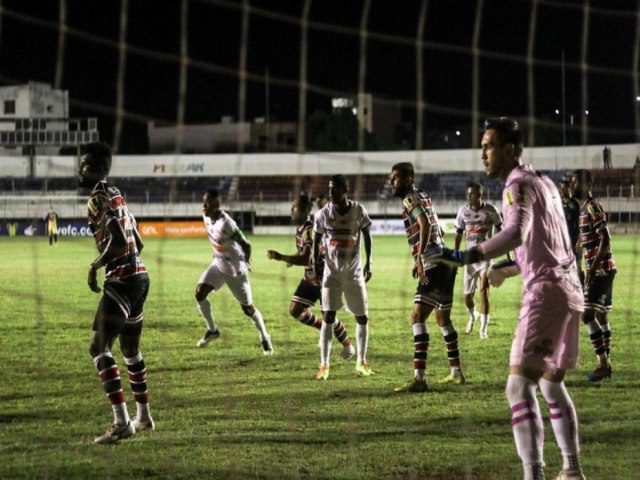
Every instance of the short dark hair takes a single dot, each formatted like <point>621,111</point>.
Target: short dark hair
<point>304,202</point>
<point>584,176</point>
<point>405,169</point>
<point>340,180</point>
<point>97,155</point>
<point>508,131</point>
<point>213,193</point>
<point>478,185</point>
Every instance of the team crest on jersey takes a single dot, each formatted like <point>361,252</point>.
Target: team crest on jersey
<point>408,202</point>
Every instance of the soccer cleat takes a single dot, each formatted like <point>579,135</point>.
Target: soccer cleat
<point>208,337</point>
<point>472,320</point>
<point>323,373</point>
<point>363,369</point>
<point>140,425</point>
<point>457,379</point>
<point>267,347</point>
<point>116,432</point>
<point>413,386</point>
<point>348,351</point>
<point>601,372</point>
<point>483,334</point>
<point>572,474</point>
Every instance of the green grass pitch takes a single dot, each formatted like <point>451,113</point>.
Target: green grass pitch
<point>227,412</point>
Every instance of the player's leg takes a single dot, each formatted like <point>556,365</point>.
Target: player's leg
<point>484,304</point>
<point>470,283</point>
<point>210,280</point>
<point>355,294</point>
<point>526,420</point>
<point>240,287</point>
<point>597,298</point>
<point>441,286</point>
<point>136,367</point>
<point>331,293</point>
<point>109,320</point>
<point>419,315</point>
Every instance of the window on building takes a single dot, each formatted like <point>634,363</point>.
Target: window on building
<point>9,107</point>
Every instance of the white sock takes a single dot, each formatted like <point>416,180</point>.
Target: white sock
<point>326,335</point>
<point>419,329</point>
<point>525,419</point>
<point>205,310</point>
<point>362,339</point>
<point>120,414</point>
<point>472,312</point>
<point>484,321</point>
<point>563,421</point>
<point>258,321</point>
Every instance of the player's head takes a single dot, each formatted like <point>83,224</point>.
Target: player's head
<point>95,164</point>
<point>321,201</point>
<point>581,183</point>
<point>564,185</point>
<point>401,178</point>
<point>338,188</point>
<point>211,203</point>
<point>474,194</point>
<point>502,145</point>
<point>301,209</point>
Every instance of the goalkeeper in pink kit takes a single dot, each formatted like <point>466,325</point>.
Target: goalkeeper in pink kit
<point>545,343</point>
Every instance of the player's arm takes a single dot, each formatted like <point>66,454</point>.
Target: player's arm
<point>244,243</point>
<point>301,258</point>
<point>457,240</point>
<point>368,249</point>
<point>317,263</point>
<point>113,249</point>
<point>424,239</point>
<point>605,241</point>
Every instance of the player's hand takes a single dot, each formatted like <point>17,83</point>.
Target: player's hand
<point>273,255</point>
<point>453,258</point>
<point>419,273</point>
<point>92,279</point>
<point>500,271</point>
<point>367,272</point>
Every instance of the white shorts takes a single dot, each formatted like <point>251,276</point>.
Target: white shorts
<point>352,285</point>
<point>472,275</point>
<point>547,334</point>
<point>237,282</point>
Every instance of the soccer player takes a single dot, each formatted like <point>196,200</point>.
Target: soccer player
<point>600,270</point>
<point>120,311</point>
<point>230,266</point>
<point>546,338</point>
<point>308,291</point>
<point>52,225</point>
<point>340,226</point>
<point>477,219</point>
<point>571,208</point>
<point>435,282</point>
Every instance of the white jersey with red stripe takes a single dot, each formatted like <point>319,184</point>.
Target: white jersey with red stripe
<point>478,225</point>
<point>227,251</point>
<point>341,235</point>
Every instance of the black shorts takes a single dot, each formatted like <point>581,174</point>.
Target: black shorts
<point>120,310</point>
<point>438,291</point>
<point>307,293</point>
<point>599,295</point>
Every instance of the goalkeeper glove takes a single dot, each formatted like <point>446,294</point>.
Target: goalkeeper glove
<point>453,258</point>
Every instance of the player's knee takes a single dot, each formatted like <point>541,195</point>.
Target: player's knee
<point>201,293</point>
<point>362,319</point>
<point>519,388</point>
<point>329,317</point>
<point>295,310</point>
<point>248,310</point>
<point>94,350</point>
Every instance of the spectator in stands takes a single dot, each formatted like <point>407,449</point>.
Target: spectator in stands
<point>308,291</point>
<point>477,220</point>
<point>546,337</point>
<point>339,227</point>
<point>571,208</point>
<point>51,223</point>
<point>120,312</point>
<point>230,266</point>
<point>600,271</point>
<point>606,157</point>
<point>434,292</point>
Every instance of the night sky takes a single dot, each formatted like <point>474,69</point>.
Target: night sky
<point>29,33</point>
